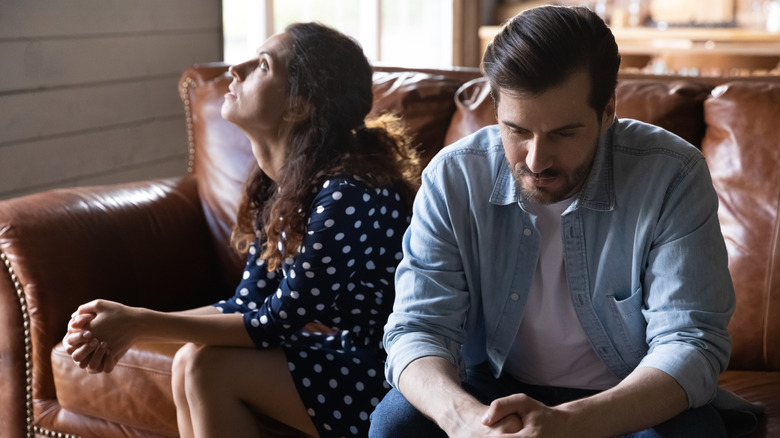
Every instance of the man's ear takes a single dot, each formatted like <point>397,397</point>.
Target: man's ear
<point>608,117</point>
<point>299,109</point>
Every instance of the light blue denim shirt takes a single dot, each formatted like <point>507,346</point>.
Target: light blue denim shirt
<point>644,257</point>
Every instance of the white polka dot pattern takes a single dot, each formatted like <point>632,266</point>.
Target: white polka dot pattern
<point>341,278</point>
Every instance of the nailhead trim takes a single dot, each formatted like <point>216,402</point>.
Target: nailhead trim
<point>185,97</point>
<point>28,364</point>
<point>27,341</point>
<point>49,433</point>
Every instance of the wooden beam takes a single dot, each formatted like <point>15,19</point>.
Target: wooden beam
<point>465,33</point>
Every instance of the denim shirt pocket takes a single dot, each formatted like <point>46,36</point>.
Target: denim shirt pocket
<point>630,328</point>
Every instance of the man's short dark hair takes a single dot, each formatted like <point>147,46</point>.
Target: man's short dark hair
<point>541,47</point>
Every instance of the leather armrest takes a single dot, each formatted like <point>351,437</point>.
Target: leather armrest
<point>143,244</point>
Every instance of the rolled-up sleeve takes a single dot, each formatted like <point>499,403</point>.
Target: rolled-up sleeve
<point>689,293</point>
<point>432,298</point>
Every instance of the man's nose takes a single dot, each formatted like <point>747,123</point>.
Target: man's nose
<point>538,158</point>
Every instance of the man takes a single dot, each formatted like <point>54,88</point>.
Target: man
<point>564,274</point>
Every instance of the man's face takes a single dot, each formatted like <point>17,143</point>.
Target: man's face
<point>550,139</point>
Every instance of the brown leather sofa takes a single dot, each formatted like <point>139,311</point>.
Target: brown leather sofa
<point>163,243</point>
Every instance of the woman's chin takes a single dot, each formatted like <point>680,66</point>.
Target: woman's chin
<point>225,112</point>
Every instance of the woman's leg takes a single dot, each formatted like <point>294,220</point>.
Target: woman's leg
<point>180,360</point>
<point>226,388</point>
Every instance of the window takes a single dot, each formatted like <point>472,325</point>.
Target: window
<point>409,33</point>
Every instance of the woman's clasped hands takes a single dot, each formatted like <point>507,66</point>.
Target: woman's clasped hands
<point>98,335</point>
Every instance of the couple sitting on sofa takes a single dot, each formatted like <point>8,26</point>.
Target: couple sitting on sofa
<point>563,274</point>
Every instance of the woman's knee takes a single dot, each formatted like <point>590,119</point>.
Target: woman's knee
<point>182,357</point>
<point>195,367</point>
<point>181,361</point>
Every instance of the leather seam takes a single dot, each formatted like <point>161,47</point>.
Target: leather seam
<point>129,367</point>
<point>109,418</point>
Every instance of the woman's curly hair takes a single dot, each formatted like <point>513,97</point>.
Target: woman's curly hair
<point>328,71</point>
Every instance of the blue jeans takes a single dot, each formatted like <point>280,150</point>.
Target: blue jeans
<point>396,417</point>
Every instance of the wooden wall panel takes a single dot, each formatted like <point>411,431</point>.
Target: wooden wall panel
<point>160,169</point>
<point>88,88</point>
<point>65,158</point>
<point>50,18</point>
<point>169,166</point>
<point>62,111</point>
<point>77,61</point>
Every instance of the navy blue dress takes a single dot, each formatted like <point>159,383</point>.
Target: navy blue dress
<point>343,279</point>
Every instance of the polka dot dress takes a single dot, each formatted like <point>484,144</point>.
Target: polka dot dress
<point>342,278</point>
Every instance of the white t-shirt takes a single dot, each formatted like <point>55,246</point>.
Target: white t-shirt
<point>551,348</point>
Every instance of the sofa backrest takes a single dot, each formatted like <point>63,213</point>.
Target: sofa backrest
<point>736,129</point>
<point>676,105</point>
<point>742,147</point>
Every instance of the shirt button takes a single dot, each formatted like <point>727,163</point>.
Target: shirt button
<point>527,231</point>
<point>515,297</point>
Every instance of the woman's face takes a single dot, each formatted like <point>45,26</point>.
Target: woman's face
<point>257,99</point>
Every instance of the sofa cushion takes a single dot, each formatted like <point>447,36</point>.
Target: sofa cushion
<point>741,147</point>
<point>136,393</point>
<point>758,387</point>
<point>673,105</point>
<point>425,101</point>
<point>676,106</point>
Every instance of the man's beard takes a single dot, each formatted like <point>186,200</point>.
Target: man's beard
<point>574,181</point>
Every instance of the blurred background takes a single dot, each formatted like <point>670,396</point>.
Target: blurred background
<point>88,88</point>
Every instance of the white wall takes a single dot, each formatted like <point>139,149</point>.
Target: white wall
<point>88,88</point>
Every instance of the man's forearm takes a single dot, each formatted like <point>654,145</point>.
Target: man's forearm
<point>431,384</point>
<point>646,398</point>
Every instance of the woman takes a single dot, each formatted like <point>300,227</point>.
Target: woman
<point>320,221</point>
